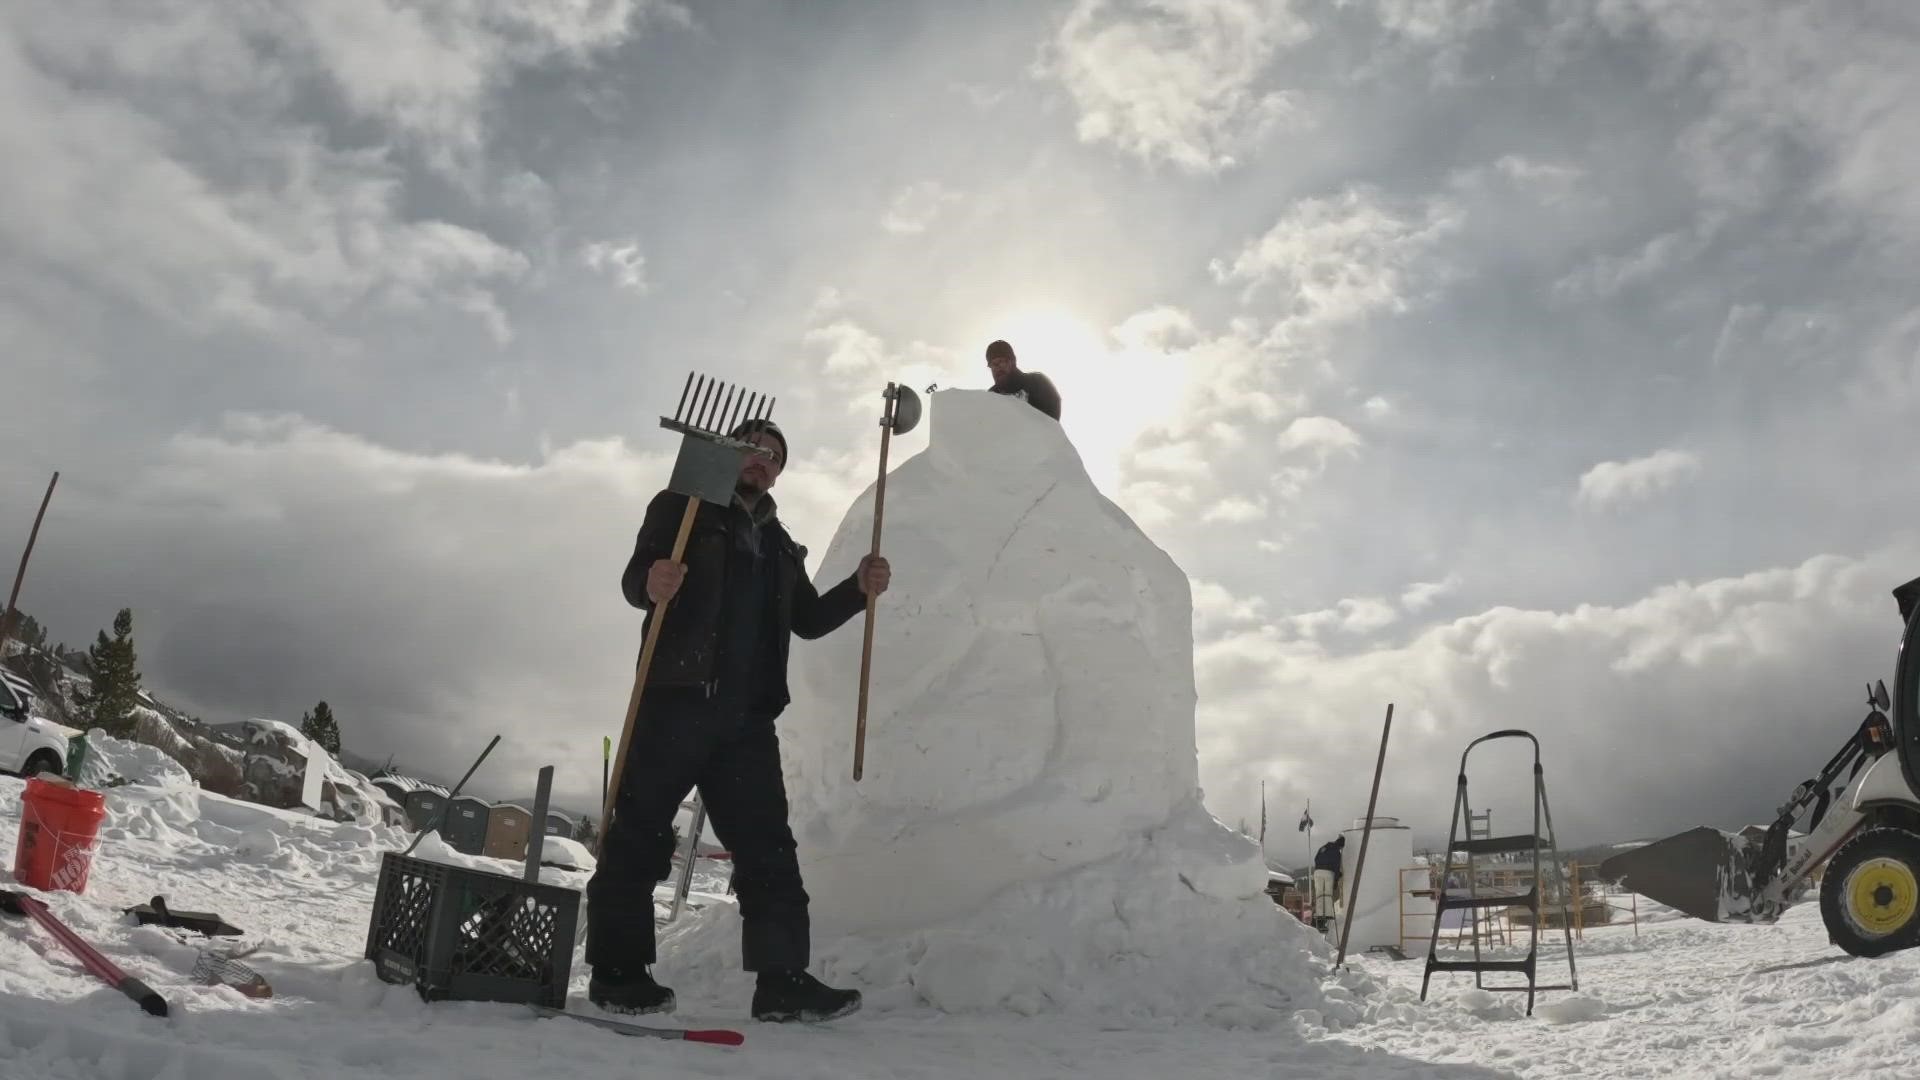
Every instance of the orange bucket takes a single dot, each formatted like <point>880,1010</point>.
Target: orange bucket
<point>59,824</point>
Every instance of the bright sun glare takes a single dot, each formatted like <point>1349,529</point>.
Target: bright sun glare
<point>1109,395</point>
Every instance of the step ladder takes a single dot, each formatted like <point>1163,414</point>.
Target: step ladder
<point>1535,898</point>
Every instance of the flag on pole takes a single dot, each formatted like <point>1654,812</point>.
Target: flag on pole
<point>1306,818</point>
<point>1263,815</point>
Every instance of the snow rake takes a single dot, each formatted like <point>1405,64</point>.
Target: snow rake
<point>706,470</point>
<point>902,415</point>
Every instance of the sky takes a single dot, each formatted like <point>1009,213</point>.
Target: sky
<point>1547,366</point>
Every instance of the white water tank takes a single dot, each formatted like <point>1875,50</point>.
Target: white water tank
<point>1386,893</point>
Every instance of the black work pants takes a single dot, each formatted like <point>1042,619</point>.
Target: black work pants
<point>684,740</point>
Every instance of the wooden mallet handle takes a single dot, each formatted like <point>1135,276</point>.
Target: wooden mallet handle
<point>866,648</point>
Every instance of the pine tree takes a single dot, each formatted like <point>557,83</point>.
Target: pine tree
<point>321,727</point>
<point>586,832</point>
<point>109,704</point>
<point>28,631</point>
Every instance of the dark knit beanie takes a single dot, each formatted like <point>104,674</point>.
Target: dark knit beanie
<point>767,425</point>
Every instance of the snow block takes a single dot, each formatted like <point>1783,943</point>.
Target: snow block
<point>463,934</point>
<point>1029,835</point>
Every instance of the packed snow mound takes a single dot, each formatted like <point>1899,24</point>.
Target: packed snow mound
<point>1032,696</point>
<point>1029,835</point>
<point>112,762</point>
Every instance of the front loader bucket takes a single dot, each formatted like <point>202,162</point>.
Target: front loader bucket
<point>1701,872</point>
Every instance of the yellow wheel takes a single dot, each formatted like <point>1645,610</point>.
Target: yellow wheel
<point>1870,893</point>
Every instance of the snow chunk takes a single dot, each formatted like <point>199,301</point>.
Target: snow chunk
<point>1572,1010</point>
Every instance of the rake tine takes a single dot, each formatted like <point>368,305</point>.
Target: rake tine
<point>678,409</point>
<point>693,406</point>
<point>769,411</point>
<point>706,405</point>
<point>734,397</point>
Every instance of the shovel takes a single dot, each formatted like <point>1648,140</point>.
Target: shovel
<point>902,415</point>
<point>97,965</point>
<point>705,471</point>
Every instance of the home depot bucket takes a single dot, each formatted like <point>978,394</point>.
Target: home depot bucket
<point>59,824</point>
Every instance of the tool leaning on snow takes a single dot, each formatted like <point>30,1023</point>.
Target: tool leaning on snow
<point>705,470</point>
<point>902,415</point>
<point>1860,818</point>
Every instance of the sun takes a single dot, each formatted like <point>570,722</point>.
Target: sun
<point>1109,395</point>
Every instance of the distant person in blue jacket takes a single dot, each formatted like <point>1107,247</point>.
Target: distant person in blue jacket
<point>1036,389</point>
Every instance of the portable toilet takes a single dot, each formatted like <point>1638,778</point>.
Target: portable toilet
<point>466,828</point>
<point>558,824</point>
<point>509,826</point>
<point>1395,906</point>
<point>423,805</point>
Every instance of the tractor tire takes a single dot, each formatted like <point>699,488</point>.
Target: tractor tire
<point>1870,893</point>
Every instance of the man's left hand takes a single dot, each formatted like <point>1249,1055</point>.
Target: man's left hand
<point>873,575</point>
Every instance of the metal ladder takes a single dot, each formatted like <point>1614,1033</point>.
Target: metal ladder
<point>1474,901</point>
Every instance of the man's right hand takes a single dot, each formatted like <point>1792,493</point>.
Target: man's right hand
<point>663,580</point>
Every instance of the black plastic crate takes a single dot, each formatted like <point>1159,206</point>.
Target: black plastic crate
<point>471,935</point>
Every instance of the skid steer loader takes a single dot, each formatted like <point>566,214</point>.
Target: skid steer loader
<point>1859,818</point>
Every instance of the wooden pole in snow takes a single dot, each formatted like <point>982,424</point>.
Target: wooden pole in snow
<point>12,612</point>
<point>1366,833</point>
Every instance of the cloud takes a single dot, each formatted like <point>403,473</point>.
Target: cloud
<point>1320,436</point>
<point>1611,483</point>
<point>850,348</point>
<point>1235,509</point>
<point>1341,258</point>
<point>1177,82</point>
<point>1421,595</point>
<point>1355,615</point>
<point>1163,328</point>
<point>620,260</point>
<point>1217,612</point>
<point>1664,254</point>
<point>1812,84</point>
<point>917,206</point>
<point>245,169</point>
<point>1696,703</point>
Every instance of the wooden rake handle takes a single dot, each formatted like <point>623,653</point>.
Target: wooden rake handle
<point>640,681</point>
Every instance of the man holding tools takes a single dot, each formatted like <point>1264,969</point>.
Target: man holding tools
<point>717,681</point>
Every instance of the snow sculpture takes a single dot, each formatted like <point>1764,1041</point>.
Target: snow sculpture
<point>1029,832</point>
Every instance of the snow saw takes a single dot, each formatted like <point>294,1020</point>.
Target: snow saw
<point>1856,825</point>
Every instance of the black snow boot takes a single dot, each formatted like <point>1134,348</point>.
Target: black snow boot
<point>784,996</point>
<point>628,991</point>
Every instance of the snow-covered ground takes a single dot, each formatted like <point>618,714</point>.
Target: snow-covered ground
<point>1682,999</point>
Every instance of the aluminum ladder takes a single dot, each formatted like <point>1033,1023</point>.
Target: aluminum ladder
<point>1539,841</point>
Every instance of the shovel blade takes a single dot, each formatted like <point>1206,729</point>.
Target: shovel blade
<point>1702,872</point>
<point>706,469</point>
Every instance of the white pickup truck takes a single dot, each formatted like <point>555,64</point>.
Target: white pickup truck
<point>28,744</point>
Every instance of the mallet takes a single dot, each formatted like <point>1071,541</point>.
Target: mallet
<point>902,415</point>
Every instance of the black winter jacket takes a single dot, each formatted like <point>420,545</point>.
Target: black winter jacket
<point>695,628</point>
<point>1035,389</point>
